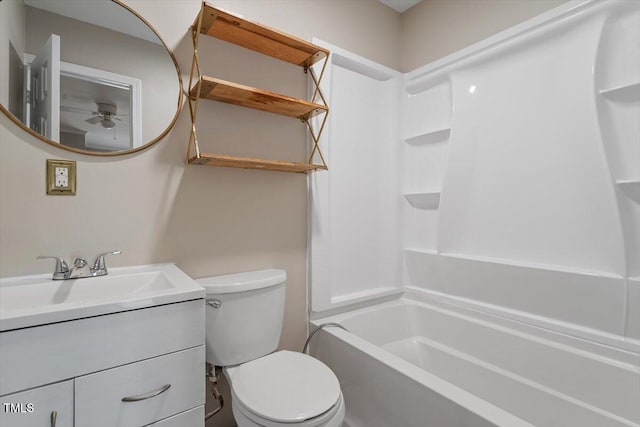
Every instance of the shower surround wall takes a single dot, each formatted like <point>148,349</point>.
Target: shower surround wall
<point>519,174</point>
<point>354,214</point>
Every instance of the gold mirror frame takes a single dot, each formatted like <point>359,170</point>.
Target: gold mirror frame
<point>123,152</point>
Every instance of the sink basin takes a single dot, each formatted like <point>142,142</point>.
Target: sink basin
<point>36,300</point>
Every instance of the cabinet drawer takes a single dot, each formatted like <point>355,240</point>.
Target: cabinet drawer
<point>83,346</point>
<point>191,418</point>
<point>33,408</point>
<point>99,397</point>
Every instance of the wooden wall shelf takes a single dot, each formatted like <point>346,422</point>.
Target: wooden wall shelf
<point>253,163</point>
<point>260,38</point>
<point>226,26</point>
<point>258,99</point>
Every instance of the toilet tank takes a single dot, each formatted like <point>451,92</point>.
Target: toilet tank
<point>244,313</point>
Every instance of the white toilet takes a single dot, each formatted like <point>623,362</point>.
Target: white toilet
<point>269,388</point>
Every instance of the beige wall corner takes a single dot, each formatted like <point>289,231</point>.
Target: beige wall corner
<point>209,221</point>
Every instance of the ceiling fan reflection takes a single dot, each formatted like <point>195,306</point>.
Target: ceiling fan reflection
<point>105,115</point>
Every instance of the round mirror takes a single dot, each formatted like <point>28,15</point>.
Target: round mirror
<point>87,76</point>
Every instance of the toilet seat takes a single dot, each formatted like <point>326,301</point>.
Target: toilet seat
<point>286,388</point>
<point>332,418</point>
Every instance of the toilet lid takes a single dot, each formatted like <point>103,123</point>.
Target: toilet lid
<point>286,387</point>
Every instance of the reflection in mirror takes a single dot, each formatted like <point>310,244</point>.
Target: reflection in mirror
<point>86,75</point>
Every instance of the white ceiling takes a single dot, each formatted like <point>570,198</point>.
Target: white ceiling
<point>400,5</point>
<point>104,14</point>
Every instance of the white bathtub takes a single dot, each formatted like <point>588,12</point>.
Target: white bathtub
<point>427,363</point>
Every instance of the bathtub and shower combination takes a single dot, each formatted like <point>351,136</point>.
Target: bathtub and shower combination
<point>484,262</point>
<point>418,363</point>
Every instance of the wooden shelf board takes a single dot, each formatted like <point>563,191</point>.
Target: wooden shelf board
<point>210,159</point>
<point>260,38</point>
<point>258,99</point>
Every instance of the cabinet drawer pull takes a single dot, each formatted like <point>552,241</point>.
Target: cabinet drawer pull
<point>148,395</point>
<point>54,417</point>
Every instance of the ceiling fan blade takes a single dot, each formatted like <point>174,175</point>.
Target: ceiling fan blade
<point>94,120</point>
<point>77,110</point>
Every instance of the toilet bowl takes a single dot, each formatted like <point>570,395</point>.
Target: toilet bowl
<point>285,388</point>
<point>269,388</point>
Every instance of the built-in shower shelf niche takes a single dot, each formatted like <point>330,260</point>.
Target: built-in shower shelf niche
<point>429,200</point>
<point>421,251</point>
<point>625,93</point>
<point>631,188</point>
<point>429,137</point>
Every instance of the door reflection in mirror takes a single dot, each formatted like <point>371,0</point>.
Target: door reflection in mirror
<point>42,96</point>
<point>98,110</point>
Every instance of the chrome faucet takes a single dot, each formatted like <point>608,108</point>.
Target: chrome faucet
<point>80,268</point>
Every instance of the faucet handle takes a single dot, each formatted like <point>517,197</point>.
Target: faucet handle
<point>62,268</point>
<point>79,262</point>
<point>99,265</point>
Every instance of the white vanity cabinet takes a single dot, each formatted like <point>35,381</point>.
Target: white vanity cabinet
<point>134,368</point>
<point>46,406</point>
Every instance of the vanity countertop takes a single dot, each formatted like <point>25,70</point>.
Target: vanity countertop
<point>37,300</point>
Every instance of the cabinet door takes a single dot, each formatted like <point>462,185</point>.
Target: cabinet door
<point>191,418</point>
<point>141,393</point>
<point>48,406</point>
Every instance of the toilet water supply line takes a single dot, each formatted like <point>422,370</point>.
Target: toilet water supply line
<point>322,326</point>
<point>213,373</point>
